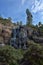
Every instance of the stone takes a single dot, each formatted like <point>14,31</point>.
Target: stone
<point>21,34</point>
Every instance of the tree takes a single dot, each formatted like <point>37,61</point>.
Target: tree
<point>39,24</point>
<point>1,18</point>
<point>29,17</point>
<point>40,29</point>
<point>9,18</point>
<point>20,22</point>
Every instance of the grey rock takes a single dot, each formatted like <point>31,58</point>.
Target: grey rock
<point>20,34</point>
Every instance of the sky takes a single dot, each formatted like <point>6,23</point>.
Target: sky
<point>16,9</point>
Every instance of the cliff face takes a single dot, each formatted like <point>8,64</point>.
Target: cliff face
<point>5,33</point>
<point>5,30</point>
<point>19,38</point>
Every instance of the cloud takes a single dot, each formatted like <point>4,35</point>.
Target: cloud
<point>37,6</point>
<point>23,1</point>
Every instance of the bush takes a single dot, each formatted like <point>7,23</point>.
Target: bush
<point>34,55</point>
<point>10,56</point>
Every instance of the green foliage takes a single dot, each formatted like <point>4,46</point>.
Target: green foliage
<point>29,17</point>
<point>19,23</point>
<point>41,30</point>
<point>5,21</point>
<point>9,18</point>
<point>34,55</point>
<point>39,24</point>
<point>1,17</point>
<point>10,56</point>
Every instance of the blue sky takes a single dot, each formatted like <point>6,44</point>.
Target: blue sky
<point>16,9</point>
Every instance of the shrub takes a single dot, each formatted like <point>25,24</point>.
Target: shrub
<point>34,55</point>
<point>9,55</point>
